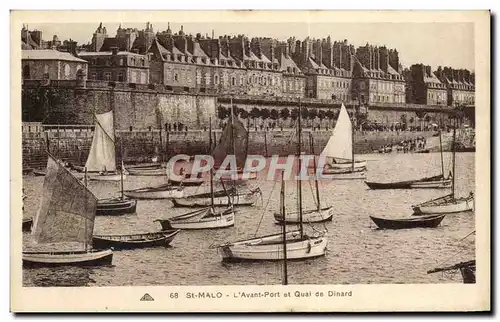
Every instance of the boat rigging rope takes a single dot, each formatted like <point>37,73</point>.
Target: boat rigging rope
<point>264,209</point>
<point>458,252</point>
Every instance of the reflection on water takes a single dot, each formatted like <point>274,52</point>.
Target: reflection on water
<point>357,252</point>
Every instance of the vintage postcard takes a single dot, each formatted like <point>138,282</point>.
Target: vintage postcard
<point>250,161</point>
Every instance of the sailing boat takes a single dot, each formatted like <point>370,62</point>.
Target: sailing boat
<point>233,141</point>
<point>219,198</point>
<point>339,151</point>
<point>284,245</point>
<point>438,181</point>
<point>467,268</point>
<point>449,203</point>
<point>101,158</point>
<point>206,218</point>
<point>281,246</point>
<point>313,215</point>
<point>66,214</point>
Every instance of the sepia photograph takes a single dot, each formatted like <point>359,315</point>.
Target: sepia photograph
<point>196,160</point>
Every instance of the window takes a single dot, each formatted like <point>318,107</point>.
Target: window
<point>120,77</point>
<point>143,62</point>
<point>107,76</point>
<point>93,76</point>
<point>122,63</point>
<point>216,79</point>
<point>176,77</point>
<point>233,81</point>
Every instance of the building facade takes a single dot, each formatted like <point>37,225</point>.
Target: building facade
<point>117,66</point>
<point>51,64</point>
<point>460,84</point>
<point>424,87</point>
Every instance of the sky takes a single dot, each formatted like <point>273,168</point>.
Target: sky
<point>434,44</point>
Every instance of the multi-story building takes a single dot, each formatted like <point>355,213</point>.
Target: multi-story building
<point>118,66</point>
<point>423,87</point>
<point>376,76</point>
<point>294,81</point>
<point>460,84</point>
<point>51,64</point>
<point>327,68</point>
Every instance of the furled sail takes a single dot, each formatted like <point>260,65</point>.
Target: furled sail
<point>102,152</point>
<point>340,143</point>
<point>233,131</point>
<point>67,209</point>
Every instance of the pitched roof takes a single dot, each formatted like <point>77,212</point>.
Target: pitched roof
<point>49,54</point>
<point>198,51</point>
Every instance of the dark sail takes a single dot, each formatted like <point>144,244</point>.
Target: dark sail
<point>233,132</point>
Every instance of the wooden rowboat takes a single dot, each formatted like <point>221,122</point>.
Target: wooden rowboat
<point>115,206</point>
<point>159,192</point>
<point>132,241</point>
<point>147,172</point>
<point>404,223</point>
<point>206,218</point>
<point>38,172</point>
<point>67,258</point>
<point>221,198</point>
<point>309,216</point>
<point>429,182</point>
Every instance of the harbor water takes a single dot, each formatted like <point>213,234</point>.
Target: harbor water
<point>358,253</point>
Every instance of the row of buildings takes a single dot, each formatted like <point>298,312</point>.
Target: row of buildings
<point>313,68</point>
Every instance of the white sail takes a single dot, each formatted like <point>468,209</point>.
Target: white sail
<point>102,152</point>
<point>67,209</point>
<point>340,143</point>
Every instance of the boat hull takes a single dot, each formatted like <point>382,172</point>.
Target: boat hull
<point>412,184</point>
<point>147,172</point>
<point>78,258</point>
<point>349,175</point>
<point>154,193</point>
<point>134,241</point>
<point>453,206</point>
<point>188,182</point>
<point>427,222</point>
<point>270,248</point>
<point>107,177</point>
<point>115,207</point>
<point>221,220</point>
<point>346,166</point>
<point>311,216</point>
<point>247,199</point>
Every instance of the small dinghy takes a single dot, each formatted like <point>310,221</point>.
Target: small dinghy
<point>220,198</point>
<point>445,205</point>
<point>320,214</point>
<point>449,203</point>
<point>159,192</point>
<point>115,206</point>
<point>27,224</point>
<point>405,223</point>
<point>132,241</point>
<point>115,176</point>
<point>309,216</point>
<point>467,270</point>
<point>68,258</point>
<point>206,218</point>
<point>429,182</point>
<point>145,166</point>
<point>147,171</point>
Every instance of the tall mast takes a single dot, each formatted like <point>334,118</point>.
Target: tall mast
<point>123,168</point>
<point>232,133</point>
<point>298,171</point>
<point>85,219</point>
<point>283,213</point>
<point>453,157</point>
<point>352,138</point>
<point>441,149</point>
<point>211,168</point>
<point>315,178</point>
